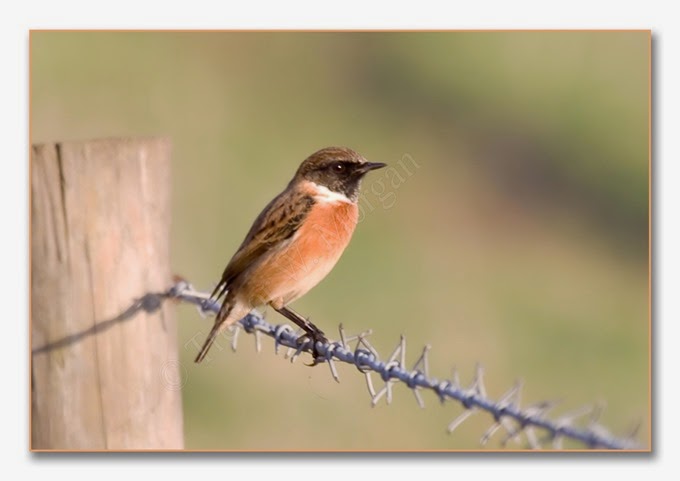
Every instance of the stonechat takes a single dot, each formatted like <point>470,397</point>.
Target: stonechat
<point>294,242</point>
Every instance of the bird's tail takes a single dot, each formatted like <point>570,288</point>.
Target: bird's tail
<point>220,324</point>
<point>208,343</point>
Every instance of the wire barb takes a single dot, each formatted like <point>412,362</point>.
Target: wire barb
<point>506,412</point>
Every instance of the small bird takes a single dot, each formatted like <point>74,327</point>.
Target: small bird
<point>294,242</point>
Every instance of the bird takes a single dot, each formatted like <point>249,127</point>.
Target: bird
<point>294,243</point>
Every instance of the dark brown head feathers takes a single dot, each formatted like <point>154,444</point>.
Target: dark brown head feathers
<point>337,168</point>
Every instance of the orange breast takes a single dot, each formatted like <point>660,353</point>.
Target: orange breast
<point>328,228</point>
<point>315,248</point>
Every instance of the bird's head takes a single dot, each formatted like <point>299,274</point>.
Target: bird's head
<point>338,169</point>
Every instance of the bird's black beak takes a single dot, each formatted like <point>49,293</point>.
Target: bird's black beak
<point>368,166</point>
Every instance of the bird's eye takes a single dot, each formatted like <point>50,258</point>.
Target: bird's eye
<point>338,167</point>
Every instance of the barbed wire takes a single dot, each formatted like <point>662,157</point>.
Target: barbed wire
<point>507,413</point>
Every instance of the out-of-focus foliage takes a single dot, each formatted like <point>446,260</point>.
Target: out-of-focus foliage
<point>511,229</point>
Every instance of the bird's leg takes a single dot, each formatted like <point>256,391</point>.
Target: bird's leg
<point>311,331</point>
<point>309,328</point>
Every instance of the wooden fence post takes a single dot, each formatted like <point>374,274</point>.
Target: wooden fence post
<point>100,228</point>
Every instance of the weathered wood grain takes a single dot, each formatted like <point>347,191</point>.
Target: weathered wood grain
<point>100,227</point>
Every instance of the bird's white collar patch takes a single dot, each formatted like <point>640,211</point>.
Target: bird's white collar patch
<point>326,195</point>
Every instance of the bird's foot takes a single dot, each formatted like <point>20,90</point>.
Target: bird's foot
<point>314,336</point>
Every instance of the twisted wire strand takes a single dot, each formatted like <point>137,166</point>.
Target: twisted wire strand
<point>506,411</point>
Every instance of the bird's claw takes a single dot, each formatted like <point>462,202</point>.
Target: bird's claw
<point>314,337</point>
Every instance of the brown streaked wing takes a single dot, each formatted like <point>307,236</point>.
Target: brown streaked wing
<point>279,220</point>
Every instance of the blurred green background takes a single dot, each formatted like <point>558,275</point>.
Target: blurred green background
<point>512,232</point>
